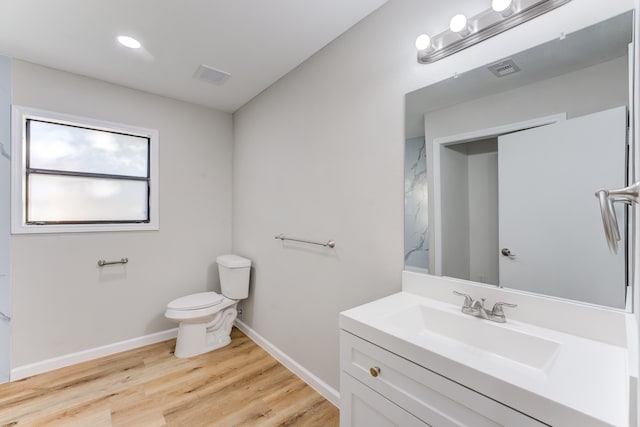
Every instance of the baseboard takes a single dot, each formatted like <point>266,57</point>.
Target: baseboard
<point>329,393</point>
<point>90,354</point>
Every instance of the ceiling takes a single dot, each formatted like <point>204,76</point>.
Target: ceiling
<point>257,41</point>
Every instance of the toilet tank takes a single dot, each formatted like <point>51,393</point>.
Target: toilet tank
<point>234,276</point>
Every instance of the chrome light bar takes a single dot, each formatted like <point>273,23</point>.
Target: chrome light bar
<point>482,26</point>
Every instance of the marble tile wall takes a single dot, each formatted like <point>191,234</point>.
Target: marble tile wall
<point>416,219</point>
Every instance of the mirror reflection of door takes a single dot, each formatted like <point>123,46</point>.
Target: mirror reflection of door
<point>519,209</point>
<point>469,217</point>
<point>548,218</point>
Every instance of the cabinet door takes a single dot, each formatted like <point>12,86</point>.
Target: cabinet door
<point>362,407</point>
<point>428,396</point>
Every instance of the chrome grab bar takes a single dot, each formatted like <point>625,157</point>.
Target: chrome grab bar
<point>102,262</point>
<point>328,243</point>
<point>630,194</point>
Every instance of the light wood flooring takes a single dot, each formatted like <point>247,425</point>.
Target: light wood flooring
<point>238,385</point>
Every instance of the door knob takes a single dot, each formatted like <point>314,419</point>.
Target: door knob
<point>507,252</point>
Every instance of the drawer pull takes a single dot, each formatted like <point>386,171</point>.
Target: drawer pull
<point>375,371</point>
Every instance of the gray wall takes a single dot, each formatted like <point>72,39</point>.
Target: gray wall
<point>320,155</point>
<point>5,223</point>
<point>63,302</point>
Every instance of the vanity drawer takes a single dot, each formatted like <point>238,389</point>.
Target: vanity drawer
<point>431,397</point>
<point>362,407</point>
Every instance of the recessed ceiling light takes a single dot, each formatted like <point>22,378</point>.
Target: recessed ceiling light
<point>129,42</point>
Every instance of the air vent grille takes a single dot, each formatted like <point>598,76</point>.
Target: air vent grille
<point>504,68</point>
<point>211,75</point>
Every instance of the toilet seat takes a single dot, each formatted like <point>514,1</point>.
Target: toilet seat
<point>197,306</point>
<point>196,301</point>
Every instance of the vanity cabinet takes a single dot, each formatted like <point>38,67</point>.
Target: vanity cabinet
<point>380,388</point>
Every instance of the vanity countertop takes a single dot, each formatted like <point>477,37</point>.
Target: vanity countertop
<point>563,380</point>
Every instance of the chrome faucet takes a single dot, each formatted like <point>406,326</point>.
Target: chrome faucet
<point>477,308</point>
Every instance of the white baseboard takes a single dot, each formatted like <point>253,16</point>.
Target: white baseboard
<point>90,354</point>
<point>329,393</point>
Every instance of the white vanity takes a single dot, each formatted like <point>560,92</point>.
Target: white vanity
<point>414,359</point>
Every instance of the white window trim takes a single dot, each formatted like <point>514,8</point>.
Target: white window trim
<point>19,114</point>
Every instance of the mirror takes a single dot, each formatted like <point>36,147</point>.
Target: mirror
<point>502,164</point>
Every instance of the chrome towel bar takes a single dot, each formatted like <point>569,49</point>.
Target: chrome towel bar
<point>102,262</point>
<point>328,243</point>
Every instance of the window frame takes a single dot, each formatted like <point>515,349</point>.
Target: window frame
<point>19,225</point>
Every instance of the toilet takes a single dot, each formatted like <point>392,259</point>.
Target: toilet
<point>205,319</point>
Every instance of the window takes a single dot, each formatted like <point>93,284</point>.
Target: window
<point>78,174</point>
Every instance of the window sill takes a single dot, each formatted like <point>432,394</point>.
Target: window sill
<point>81,228</point>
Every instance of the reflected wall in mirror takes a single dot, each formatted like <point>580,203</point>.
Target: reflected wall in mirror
<point>502,163</point>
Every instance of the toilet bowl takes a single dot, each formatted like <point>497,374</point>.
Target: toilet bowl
<point>205,319</point>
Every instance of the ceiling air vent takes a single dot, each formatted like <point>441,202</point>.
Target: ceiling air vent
<point>211,75</point>
<point>504,68</point>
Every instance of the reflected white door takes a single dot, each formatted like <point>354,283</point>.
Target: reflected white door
<point>549,216</point>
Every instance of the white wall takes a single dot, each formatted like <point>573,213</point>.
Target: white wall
<point>634,392</point>
<point>320,155</point>
<point>469,203</point>
<point>63,302</point>
<point>589,90</point>
<point>483,211</point>
<point>5,223</point>
<point>454,202</point>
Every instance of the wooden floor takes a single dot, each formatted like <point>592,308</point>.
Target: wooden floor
<point>238,385</point>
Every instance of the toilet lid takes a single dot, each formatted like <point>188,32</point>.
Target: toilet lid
<point>195,301</point>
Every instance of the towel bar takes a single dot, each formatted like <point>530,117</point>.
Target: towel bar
<point>102,262</point>
<point>328,243</point>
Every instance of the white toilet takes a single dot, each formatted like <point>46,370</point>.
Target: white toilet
<point>205,319</point>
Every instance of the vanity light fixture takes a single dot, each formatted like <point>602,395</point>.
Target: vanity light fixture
<point>464,32</point>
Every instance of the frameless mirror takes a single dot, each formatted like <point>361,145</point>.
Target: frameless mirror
<point>502,164</point>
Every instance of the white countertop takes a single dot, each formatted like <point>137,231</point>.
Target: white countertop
<point>586,382</point>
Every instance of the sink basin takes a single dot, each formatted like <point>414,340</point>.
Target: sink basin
<point>493,339</point>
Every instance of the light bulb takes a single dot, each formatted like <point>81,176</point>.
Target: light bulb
<point>501,5</point>
<point>458,23</point>
<point>129,42</point>
<point>423,42</point>
<point>504,7</point>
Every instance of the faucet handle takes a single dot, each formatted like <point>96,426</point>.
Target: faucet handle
<point>467,298</point>
<point>497,308</point>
